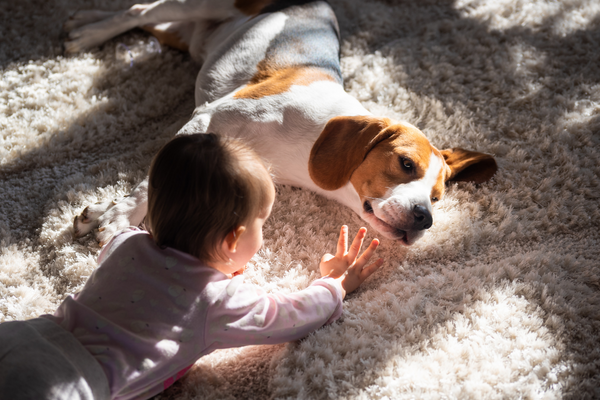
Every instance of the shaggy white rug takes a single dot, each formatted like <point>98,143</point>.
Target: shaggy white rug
<point>500,300</point>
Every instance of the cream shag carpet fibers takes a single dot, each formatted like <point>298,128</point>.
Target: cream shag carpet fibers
<point>500,300</point>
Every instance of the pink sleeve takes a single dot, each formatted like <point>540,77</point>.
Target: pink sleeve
<point>115,242</point>
<point>243,314</point>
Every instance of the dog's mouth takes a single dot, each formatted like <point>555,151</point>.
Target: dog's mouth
<point>385,228</point>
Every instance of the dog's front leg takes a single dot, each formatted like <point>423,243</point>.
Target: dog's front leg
<point>130,211</point>
<point>113,217</point>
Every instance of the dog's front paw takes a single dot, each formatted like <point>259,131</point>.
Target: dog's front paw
<point>127,212</point>
<point>88,219</point>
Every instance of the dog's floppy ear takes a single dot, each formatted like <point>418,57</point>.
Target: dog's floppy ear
<point>342,147</point>
<point>469,166</point>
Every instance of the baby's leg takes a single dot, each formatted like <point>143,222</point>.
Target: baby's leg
<point>41,360</point>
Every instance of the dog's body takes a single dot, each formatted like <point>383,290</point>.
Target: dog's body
<point>270,75</point>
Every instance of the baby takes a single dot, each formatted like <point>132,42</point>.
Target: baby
<point>160,300</point>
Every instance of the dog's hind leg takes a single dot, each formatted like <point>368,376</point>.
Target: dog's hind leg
<point>99,31</point>
<point>86,17</point>
<point>139,15</point>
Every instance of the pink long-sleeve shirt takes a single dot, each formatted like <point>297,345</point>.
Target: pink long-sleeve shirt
<point>148,313</point>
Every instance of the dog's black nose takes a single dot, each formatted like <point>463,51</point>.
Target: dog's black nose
<point>423,218</point>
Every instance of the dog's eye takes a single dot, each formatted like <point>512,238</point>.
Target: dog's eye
<point>434,199</point>
<point>406,164</point>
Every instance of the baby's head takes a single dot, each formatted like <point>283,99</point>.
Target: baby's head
<point>206,190</point>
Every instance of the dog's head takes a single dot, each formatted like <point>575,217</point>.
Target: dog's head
<point>396,172</point>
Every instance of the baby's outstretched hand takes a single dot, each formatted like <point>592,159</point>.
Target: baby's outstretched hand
<point>346,265</point>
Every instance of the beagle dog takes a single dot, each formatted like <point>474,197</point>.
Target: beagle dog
<point>271,75</point>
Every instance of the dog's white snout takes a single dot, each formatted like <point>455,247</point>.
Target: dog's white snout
<point>396,212</point>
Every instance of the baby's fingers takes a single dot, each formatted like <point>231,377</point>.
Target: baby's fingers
<point>356,245</point>
<point>342,245</point>
<point>369,269</point>
<point>366,256</point>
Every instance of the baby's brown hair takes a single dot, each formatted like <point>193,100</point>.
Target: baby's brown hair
<point>201,187</point>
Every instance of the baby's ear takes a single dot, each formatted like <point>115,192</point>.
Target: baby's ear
<point>231,240</point>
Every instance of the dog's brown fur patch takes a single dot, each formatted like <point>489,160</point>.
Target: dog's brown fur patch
<point>268,82</point>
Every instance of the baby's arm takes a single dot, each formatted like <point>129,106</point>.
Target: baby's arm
<point>243,314</point>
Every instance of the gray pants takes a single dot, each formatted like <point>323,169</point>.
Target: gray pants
<point>41,360</point>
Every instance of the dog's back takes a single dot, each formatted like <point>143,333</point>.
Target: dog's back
<point>310,38</point>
